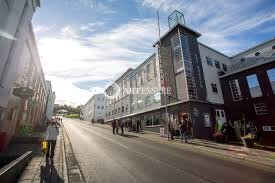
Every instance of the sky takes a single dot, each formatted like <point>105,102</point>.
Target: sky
<point>86,44</point>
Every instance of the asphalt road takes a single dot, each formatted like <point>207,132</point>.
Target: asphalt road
<point>105,158</point>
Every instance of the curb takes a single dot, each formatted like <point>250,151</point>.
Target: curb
<point>74,173</point>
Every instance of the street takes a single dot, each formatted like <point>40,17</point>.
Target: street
<point>104,157</point>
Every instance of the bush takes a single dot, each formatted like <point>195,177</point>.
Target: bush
<point>72,116</point>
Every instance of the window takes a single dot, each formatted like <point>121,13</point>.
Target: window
<point>214,88</point>
<point>148,100</point>
<point>157,97</point>
<point>209,61</point>
<point>242,59</point>
<point>155,67</point>
<point>235,90</point>
<point>102,99</point>
<point>118,111</point>
<point>148,74</point>
<point>122,109</point>
<point>102,107</point>
<point>260,109</point>
<point>273,47</point>
<point>217,64</point>
<point>98,99</point>
<point>257,54</point>
<point>139,103</point>
<point>207,122</point>
<point>271,77</point>
<point>152,119</point>
<point>98,107</point>
<point>224,67</point>
<point>254,87</point>
<point>110,113</point>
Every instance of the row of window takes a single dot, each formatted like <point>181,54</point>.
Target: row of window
<point>98,107</point>
<point>102,99</point>
<point>117,111</point>
<point>210,61</point>
<point>253,84</point>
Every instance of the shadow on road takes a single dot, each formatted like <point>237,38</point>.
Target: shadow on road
<point>49,174</point>
<point>129,136</point>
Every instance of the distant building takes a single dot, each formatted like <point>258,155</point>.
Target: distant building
<point>94,109</point>
<point>50,100</point>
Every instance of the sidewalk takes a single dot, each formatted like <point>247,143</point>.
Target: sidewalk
<point>38,171</point>
<point>254,157</point>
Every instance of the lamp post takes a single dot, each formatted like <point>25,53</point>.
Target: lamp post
<point>162,79</point>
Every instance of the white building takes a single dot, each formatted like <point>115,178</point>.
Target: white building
<point>94,109</point>
<point>15,23</point>
<point>50,101</point>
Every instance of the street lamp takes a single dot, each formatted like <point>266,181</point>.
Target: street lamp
<point>162,79</point>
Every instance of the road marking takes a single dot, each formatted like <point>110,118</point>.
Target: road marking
<point>193,175</point>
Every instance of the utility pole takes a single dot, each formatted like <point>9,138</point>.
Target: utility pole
<point>162,79</point>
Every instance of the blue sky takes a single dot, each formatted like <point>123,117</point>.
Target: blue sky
<point>85,44</point>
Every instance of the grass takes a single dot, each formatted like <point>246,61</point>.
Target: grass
<point>72,116</point>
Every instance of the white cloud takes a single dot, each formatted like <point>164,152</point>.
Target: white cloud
<point>218,20</point>
<point>42,28</point>
<point>73,58</point>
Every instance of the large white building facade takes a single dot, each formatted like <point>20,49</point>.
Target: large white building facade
<point>94,109</point>
<point>192,71</point>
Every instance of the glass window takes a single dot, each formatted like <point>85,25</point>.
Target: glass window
<point>260,108</point>
<point>254,87</point>
<point>224,67</point>
<point>139,103</point>
<point>271,77</point>
<point>155,67</point>
<point>148,70</point>
<point>214,88</point>
<point>147,100</point>
<point>102,107</point>
<point>209,61</point>
<point>157,97</point>
<point>98,107</point>
<point>257,54</point>
<point>235,90</point>
<point>217,64</point>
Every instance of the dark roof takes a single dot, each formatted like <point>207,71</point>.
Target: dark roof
<point>247,63</point>
<point>256,46</point>
<point>176,26</point>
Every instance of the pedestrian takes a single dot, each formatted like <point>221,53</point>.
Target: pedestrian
<point>114,126</point>
<point>52,133</point>
<point>117,126</point>
<point>187,125</point>
<point>171,130</point>
<point>122,127</point>
<point>138,126</point>
<point>183,129</point>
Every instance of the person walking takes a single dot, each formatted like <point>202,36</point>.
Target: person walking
<point>117,126</point>
<point>183,129</point>
<point>52,133</point>
<point>114,126</point>
<point>122,127</point>
<point>171,130</point>
<point>186,127</point>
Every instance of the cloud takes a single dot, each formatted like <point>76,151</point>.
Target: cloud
<point>42,28</point>
<point>219,20</point>
<point>97,6</point>
<point>91,27</point>
<point>78,60</point>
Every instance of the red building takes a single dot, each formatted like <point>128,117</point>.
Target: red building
<point>249,94</point>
